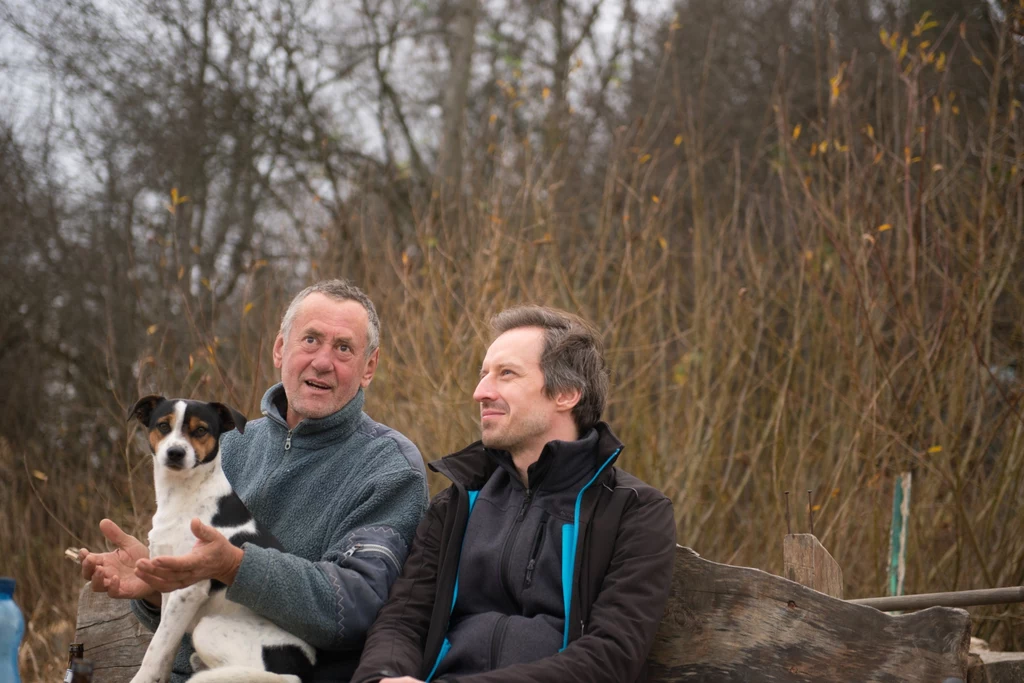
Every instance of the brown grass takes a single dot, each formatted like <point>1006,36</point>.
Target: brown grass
<point>838,307</point>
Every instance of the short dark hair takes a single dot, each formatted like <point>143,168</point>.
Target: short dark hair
<point>339,290</point>
<point>573,356</point>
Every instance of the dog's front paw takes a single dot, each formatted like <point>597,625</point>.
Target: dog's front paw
<point>196,662</point>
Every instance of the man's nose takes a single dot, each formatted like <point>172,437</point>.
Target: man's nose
<point>484,390</point>
<point>322,360</point>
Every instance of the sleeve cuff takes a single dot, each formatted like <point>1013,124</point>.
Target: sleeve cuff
<point>147,615</point>
<point>251,577</point>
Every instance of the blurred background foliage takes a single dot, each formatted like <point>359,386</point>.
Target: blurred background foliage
<point>798,224</point>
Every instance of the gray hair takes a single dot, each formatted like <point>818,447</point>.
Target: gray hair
<point>339,290</point>
<point>573,357</point>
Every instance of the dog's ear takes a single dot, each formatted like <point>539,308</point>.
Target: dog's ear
<point>143,408</point>
<point>229,418</point>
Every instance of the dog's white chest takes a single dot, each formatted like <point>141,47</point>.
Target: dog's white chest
<point>179,503</point>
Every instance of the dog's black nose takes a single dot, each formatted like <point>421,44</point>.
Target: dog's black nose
<point>175,454</point>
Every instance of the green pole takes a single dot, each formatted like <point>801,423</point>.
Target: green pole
<point>898,534</point>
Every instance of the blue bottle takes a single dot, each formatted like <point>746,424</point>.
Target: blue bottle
<point>12,628</point>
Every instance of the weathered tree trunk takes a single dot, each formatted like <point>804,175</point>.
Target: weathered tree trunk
<point>725,623</point>
<point>114,639</point>
<point>722,623</point>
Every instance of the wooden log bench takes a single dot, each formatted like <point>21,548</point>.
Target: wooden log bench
<point>722,624</point>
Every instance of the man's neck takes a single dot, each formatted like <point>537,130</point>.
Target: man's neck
<point>522,460</point>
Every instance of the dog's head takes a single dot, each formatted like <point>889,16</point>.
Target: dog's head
<point>185,434</point>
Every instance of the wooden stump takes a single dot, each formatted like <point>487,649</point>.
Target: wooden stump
<point>114,640</point>
<point>806,561</point>
<point>997,667</point>
<point>725,624</point>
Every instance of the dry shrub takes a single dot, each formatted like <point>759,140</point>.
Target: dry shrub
<point>828,310</point>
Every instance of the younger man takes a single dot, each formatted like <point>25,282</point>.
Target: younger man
<point>542,561</point>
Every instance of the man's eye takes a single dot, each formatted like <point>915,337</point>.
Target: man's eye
<point>504,373</point>
<point>164,428</point>
<point>201,431</point>
<point>309,339</point>
<point>344,348</point>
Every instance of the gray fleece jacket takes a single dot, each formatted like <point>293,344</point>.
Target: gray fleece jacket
<point>343,494</point>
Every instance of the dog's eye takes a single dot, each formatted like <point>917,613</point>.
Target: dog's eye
<point>164,428</point>
<point>201,431</point>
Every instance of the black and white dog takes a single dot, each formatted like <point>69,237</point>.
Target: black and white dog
<point>232,643</point>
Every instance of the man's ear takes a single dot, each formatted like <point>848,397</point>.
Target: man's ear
<point>371,367</point>
<point>143,408</point>
<point>567,400</point>
<point>279,350</point>
<point>229,418</point>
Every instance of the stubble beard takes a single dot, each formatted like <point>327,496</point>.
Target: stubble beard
<point>511,436</point>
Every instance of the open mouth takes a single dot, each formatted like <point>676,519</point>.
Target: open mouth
<point>319,386</point>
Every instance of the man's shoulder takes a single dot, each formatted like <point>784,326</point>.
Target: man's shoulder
<point>384,439</point>
<point>645,493</point>
<point>643,510</point>
<point>234,440</point>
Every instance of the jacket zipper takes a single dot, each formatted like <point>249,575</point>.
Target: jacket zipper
<point>373,548</point>
<point>510,542</point>
<point>532,564</point>
<point>274,418</point>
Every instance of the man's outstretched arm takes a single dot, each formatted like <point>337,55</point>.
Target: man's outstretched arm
<point>329,603</point>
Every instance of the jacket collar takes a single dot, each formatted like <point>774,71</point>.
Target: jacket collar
<point>560,465</point>
<point>473,465</point>
<point>341,423</point>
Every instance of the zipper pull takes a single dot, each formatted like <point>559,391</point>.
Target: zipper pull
<point>526,504</point>
<point>529,571</point>
<point>288,442</point>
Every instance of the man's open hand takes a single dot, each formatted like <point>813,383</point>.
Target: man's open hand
<point>212,557</point>
<point>113,573</point>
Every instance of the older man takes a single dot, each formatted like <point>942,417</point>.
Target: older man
<point>542,561</point>
<point>341,492</point>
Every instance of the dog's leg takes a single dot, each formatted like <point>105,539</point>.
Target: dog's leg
<point>178,612</point>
